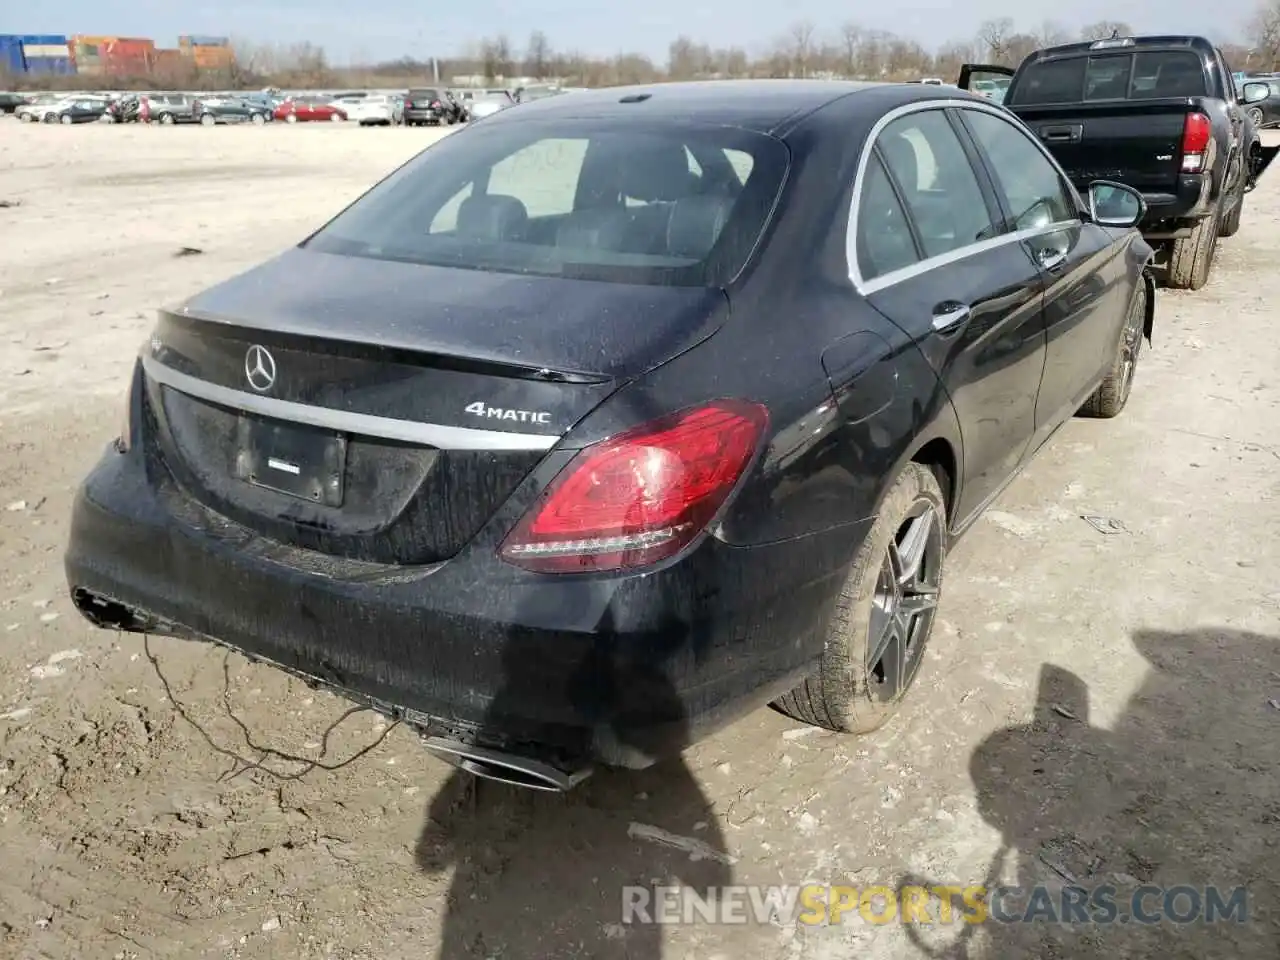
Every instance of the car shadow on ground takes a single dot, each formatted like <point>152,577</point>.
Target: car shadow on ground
<point>1183,791</point>
<point>541,875</point>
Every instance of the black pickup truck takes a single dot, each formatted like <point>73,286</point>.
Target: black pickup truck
<point>1160,114</point>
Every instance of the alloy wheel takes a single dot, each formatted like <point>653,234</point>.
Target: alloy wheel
<point>1132,344</point>
<point>1255,115</point>
<point>905,602</point>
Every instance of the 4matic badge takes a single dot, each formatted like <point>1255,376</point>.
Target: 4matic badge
<point>482,409</point>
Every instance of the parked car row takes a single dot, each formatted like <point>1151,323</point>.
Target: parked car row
<point>435,106</point>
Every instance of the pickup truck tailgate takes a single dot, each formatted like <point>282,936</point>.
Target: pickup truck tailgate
<point>1138,143</point>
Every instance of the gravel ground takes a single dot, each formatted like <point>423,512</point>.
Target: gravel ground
<point>1103,707</point>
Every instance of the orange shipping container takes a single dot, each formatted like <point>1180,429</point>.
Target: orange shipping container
<point>212,58</point>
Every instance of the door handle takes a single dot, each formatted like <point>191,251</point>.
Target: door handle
<point>948,315</point>
<point>1051,259</point>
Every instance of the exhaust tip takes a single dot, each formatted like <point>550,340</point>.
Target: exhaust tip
<point>505,767</point>
<point>107,613</point>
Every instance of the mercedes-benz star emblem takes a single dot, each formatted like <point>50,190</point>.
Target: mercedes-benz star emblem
<point>260,368</point>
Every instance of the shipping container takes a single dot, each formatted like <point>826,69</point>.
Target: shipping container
<point>50,66</point>
<point>34,50</point>
<point>213,58</point>
<point>43,39</point>
<point>197,40</point>
<point>81,39</point>
<point>12,62</point>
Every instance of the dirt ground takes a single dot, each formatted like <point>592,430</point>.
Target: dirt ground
<point>1101,707</point>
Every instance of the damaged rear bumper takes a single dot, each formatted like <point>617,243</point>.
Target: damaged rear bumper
<point>569,670</point>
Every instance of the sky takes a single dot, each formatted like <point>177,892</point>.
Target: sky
<point>387,29</point>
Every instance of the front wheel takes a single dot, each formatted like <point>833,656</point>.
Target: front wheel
<point>336,117</point>
<point>1113,393</point>
<point>166,118</point>
<point>257,119</point>
<point>885,613</point>
<point>1255,115</point>
<point>207,120</point>
<point>65,118</point>
<point>291,118</point>
<point>26,117</point>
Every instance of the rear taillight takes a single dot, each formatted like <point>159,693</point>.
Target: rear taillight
<point>1196,136</point>
<point>641,496</point>
<point>436,104</point>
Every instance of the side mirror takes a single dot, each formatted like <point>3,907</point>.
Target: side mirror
<point>1115,204</point>
<point>1255,92</point>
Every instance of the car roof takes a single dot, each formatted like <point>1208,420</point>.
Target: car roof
<point>766,106</point>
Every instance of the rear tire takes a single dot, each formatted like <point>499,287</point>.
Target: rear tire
<point>1191,258</point>
<point>65,118</point>
<point>892,589</point>
<point>208,120</point>
<point>1231,225</point>
<point>165,118</point>
<point>336,118</point>
<point>258,120</point>
<point>1113,393</point>
<point>291,118</point>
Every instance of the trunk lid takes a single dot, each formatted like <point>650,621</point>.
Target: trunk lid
<point>1134,142</point>
<point>382,411</point>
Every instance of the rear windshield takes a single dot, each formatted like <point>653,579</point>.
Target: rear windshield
<point>424,94</point>
<point>667,204</point>
<point>1145,75</point>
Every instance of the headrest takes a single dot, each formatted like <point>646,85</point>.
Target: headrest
<point>654,172</point>
<point>900,156</point>
<point>695,225</point>
<point>600,229</point>
<point>491,217</point>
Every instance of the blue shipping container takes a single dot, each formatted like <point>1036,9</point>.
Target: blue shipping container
<point>50,67</point>
<point>12,61</point>
<point>43,39</point>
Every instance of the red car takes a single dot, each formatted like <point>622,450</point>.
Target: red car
<point>303,109</point>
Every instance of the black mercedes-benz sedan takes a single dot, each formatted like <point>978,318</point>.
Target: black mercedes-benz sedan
<point>619,415</point>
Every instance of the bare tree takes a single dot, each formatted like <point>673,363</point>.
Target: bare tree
<point>505,60</point>
<point>537,55</point>
<point>994,37</point>
<point>1105,30</point>
<point>1051,33</point>
<point>1264,29</point>
<point>851,38</point>
<point>800,36</point>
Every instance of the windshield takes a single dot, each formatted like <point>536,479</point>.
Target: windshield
<point>1146,75</point>
<point>668,204</point>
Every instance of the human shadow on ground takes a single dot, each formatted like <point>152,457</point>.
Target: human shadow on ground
<point>1184,791</point>
<point>541,875</point>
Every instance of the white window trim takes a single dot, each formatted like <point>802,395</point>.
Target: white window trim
<point>867,287</point>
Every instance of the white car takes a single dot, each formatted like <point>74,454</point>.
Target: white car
<point>371,110</point>
<point>487,106</point>
<point>45,103</point>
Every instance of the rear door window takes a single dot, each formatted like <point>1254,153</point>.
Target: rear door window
<point>884,242</point>
<point>937,183</point>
